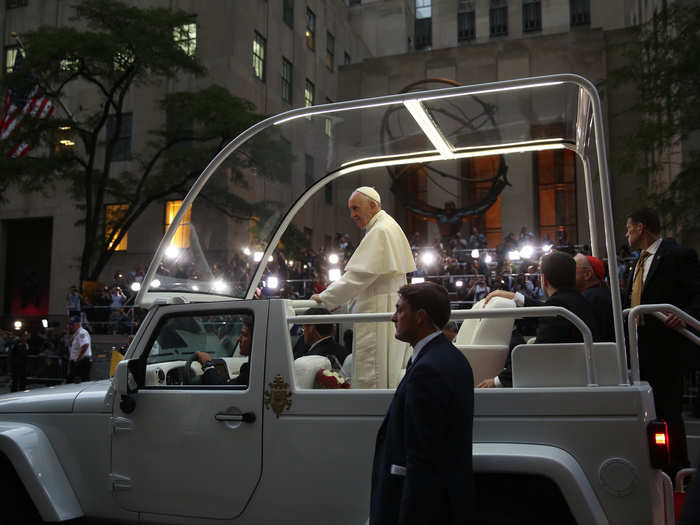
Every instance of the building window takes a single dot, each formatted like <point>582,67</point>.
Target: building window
<point>114,214</point>
<point>481,170</point>
<point>498,18</point>
<point>532,15</point>
<point>328,193</point>
<point>580,12</point>
<point>10,57</point>
<point>121,149</point>
<point>286,80</point>
<point>259,57</point>
<point>65,141</point>
<point>310,29</point>
<point>185,37</point>
<point>288,12</point>
<point>346,59</point>
<point>308,93</point>
<point>424,24</point>
<point>330,51</point>
<point>11,4</point>
<point>466,21</point>
<point>181,239</point>
<point>556,181</point>
<point>180,131</point>
<point>308,170</point>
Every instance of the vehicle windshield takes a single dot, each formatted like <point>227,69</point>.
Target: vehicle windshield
<point>442,160</point>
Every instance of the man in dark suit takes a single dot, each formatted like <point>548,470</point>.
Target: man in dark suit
<point>210,376</point>
<point>558,270</point>
<point>422,471</point>
<point>590,275</point>
<point>663,273</point>
<point>318,338</point>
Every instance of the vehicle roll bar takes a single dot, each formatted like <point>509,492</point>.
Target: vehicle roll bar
<point>499,313</point>
<point>657,310</point>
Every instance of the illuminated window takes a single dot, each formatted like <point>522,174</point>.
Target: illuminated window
<point>259,57</point>
<point>308,93</point>
<point>330,51</point>
<point>10,57</point>
<point>185,36</point>
<point>310,29</point>
<point>69,65</point>
<point>556,181</point>
<point>286,80</point>
<point>65,140</point>
<point>489,222</point>
<point>181,239</point>
<point>114,214</point>
<point>122,60</point>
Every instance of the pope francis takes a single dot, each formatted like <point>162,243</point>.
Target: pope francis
<point>372,277</point>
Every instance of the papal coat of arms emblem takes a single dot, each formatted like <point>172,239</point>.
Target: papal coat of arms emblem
<point>278,397</point>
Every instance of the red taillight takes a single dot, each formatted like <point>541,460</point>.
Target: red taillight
<point>657,431</point>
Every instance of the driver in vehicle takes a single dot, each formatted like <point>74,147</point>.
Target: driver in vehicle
<point>212,377</point>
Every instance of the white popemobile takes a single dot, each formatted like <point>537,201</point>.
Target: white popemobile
<point>574,441</point>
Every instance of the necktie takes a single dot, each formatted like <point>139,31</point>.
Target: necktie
<point>638,282</point>
<point>409,364</point>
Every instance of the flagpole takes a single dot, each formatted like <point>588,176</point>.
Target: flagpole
<point>16,36</point>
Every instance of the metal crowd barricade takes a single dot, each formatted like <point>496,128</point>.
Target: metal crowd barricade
<point>105,319</point>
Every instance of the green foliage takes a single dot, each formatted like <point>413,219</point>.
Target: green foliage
<point>93,65</point>
<point>663,67</point>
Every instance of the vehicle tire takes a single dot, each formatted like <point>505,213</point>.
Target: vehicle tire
<point>17,507</point>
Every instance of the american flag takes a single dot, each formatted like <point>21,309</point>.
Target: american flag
<point>20,101</point>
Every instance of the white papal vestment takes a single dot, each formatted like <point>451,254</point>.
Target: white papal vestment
<point>372,277</point>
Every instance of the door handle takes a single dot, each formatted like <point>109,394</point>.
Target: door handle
<point>246,417</point>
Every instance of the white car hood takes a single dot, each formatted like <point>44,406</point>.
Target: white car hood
<point>83,397</point>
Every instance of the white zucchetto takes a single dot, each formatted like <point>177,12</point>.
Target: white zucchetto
<point>369,192</point>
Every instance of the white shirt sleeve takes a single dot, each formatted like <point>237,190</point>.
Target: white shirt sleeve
<point>349,286</point>
<point>83,338</point>
<point>497,382</point>
<point>519,299</point>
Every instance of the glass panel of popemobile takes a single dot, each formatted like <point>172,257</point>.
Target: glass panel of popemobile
<point>444,161</point>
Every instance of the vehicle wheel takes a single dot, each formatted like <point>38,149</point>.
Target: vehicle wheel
<point>17,507</point>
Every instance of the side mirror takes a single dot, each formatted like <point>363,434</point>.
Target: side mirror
<point>125,385</point>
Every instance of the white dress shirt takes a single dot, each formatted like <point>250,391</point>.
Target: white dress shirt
<point>653,248</point>
<point>421,344</point>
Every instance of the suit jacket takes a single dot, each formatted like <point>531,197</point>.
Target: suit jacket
<point>674,277</point>
<point>212,377</point>
<point>558,329</point>
<point>428,432</point>
<point>601,301</point>
<point>554,329</point>
<point>328,347</point>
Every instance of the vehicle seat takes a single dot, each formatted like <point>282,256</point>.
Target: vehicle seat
<point>485,342</point>
<point>563,364</point>
<point>306,368</point>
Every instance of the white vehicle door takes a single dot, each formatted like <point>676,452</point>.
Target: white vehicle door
<point>187,449</point>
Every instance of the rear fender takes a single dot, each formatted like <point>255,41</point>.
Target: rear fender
<point>551,462</point>
<point>33,458</point>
